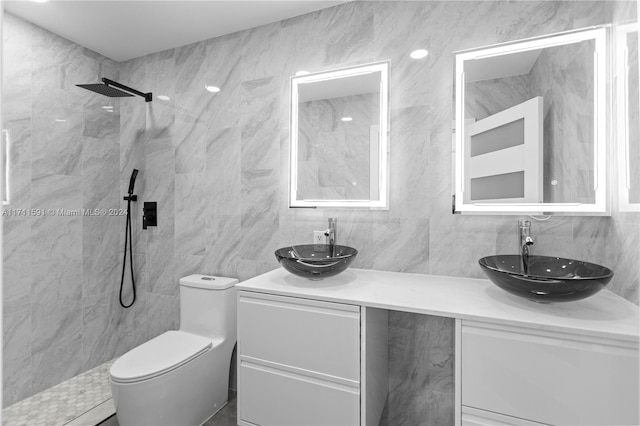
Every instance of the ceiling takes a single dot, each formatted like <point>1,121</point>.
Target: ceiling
<point>122,30</point>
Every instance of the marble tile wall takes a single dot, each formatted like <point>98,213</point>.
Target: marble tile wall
<point>59,270</point>
<point>217,163</point>
<point>217,166</point>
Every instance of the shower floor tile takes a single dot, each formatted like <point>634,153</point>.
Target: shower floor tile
<point>62,403</point>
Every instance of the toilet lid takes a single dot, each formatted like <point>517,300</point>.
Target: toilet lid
<point>158,356</point>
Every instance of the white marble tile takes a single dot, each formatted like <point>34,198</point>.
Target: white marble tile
<point>401,245</point>
<point>190,213</point>
<point>259,236</point>
<point>223,180</point>
<point>56,192</point>
<point>259,124</point>
<point>156,314</point>
<point>159,273</point>
<point>16,266</point>
<point>259,192</point>
<point>100,167</point>
<point>17,64</point>
<point>190,143</point>
<point>101,255</point>
<point>225,72</point>
<point>54,326</point>
<point>56,238</point>
<point>457,242</point>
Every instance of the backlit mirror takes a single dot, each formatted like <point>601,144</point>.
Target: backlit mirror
<point>628,114</point>
<point>339,138</point>
<point>531,126</point>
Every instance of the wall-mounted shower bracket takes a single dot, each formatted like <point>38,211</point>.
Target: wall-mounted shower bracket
<point>148,97</point>
<point>130,198</point>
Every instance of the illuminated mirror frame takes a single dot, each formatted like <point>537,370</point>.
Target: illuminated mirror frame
<point>601,206</point>
<point>383,152</point>
<point>622,117</point>
<point>6,162</point>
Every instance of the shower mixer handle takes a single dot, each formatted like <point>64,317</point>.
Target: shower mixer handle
<point>149,214</point>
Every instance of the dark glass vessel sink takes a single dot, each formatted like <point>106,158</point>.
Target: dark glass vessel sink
<point>548,279</point>
<point>315,261</point>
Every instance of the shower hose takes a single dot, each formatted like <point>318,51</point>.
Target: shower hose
<point>128,237</point>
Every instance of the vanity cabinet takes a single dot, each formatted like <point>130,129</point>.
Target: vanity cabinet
<point>298,361</point>
<point>522,375</point>
<point>312,354</point>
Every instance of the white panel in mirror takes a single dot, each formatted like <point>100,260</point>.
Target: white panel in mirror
<point>533,137</point>
<point>339,138</point>
<point>628,117</point>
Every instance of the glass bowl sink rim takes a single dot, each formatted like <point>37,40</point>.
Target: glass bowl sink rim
<point>286,251</point>
<point>607,272</point>
<point>314,261</point>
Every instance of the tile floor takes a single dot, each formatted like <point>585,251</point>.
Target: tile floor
<point>63,403</point>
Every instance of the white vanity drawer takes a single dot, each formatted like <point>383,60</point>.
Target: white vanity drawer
<point>307,334</point>
<point>549,377</point>
<point>270,396</point>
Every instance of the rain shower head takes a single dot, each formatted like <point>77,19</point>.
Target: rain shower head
<point>106,90</point>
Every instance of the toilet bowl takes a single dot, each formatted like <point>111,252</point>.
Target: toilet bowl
<point>181,377</point>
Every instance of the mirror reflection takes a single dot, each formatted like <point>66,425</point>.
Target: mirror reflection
<point>338,140</point>
<point>532,125</point>
<point>628,95</point>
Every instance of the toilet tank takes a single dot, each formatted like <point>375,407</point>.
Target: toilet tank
<point>208,306</point>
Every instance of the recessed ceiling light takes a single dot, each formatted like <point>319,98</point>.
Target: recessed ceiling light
<point>302,73</point>
<point>346,118</point>
<point>212,89</point>
<point>60,120</point>
<point>107,107</point>
<point>40,1</point>
<point>163,97</point>
<point>419,54</point>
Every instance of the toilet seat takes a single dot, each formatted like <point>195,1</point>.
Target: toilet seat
<point>159,355</point>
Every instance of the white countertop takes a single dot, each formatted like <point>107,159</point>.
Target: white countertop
<point>605,314</point>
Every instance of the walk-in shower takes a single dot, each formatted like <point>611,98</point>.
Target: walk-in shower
<point>108,88</point>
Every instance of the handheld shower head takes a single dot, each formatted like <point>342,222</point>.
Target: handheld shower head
<point>132,180</point>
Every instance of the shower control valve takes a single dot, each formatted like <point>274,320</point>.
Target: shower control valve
<point>149,214</point>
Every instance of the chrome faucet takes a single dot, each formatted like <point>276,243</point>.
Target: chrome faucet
<point>525,242</point>
<point>331,234</point>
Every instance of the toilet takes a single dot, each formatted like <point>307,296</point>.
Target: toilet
<point>181,377</point>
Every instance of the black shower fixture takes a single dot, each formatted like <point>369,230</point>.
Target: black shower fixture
<point>106,89</point>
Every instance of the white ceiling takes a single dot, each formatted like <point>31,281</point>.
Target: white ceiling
<point>122,30</point>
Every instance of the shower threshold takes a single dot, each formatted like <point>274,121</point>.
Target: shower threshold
<point>82,400</point>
